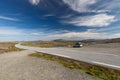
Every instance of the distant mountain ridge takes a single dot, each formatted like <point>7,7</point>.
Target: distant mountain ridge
<point>114,40</point>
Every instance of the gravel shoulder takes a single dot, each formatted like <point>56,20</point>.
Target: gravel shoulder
<point>20,66</point>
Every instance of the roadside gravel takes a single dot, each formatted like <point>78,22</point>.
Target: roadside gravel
<point>20,66</point>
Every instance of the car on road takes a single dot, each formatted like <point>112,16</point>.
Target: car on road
<point>77,45</point>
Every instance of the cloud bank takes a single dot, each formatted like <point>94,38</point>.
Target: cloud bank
<point>83,35</point>
<point>98,16</point>
<point>98,20</point>
<point>34,2</point>
<point>8,18</point>
<point>80,5</point>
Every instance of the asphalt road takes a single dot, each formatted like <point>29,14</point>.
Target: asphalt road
<point>102,59</point>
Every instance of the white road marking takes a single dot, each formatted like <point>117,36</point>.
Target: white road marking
<point>106,54</point>
<point>105,64</point>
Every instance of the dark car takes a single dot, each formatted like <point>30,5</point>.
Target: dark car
<point>77,45</point>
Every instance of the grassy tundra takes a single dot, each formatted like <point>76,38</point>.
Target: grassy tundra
<point>48,44</point>
<point>68,43</point>
<point>7,47</point>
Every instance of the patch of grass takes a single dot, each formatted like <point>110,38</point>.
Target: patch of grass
<point>13,48</point>
<point>94,70</point>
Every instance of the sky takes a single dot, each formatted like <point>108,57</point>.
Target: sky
<point>28,20</point>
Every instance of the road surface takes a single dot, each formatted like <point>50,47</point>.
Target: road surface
<point>106,60</point>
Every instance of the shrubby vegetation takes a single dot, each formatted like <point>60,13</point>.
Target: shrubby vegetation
<point>7,47</point>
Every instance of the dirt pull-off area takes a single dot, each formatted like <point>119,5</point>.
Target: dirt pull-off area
<point>20,66</point>
<point>8,47</point>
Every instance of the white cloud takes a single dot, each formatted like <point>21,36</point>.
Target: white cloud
<point>49,15</point>
<point>98,20</point>
<point>66,16</point>
<point>61,31</point>
<point>10,31</point>
<point>80,5</point>
<point>8,18</point>
<point>83,35</point>
<point>108,29</point>
<point>35,34</point>
<point>113,4</point>
<point>34,2</point>
<point>117,35</point>
<point>38,33</point>
<point>84,5</point>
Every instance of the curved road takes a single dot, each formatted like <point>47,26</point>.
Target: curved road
<point>106,60</point>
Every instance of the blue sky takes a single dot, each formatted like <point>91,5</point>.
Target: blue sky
<point>22,20</point>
